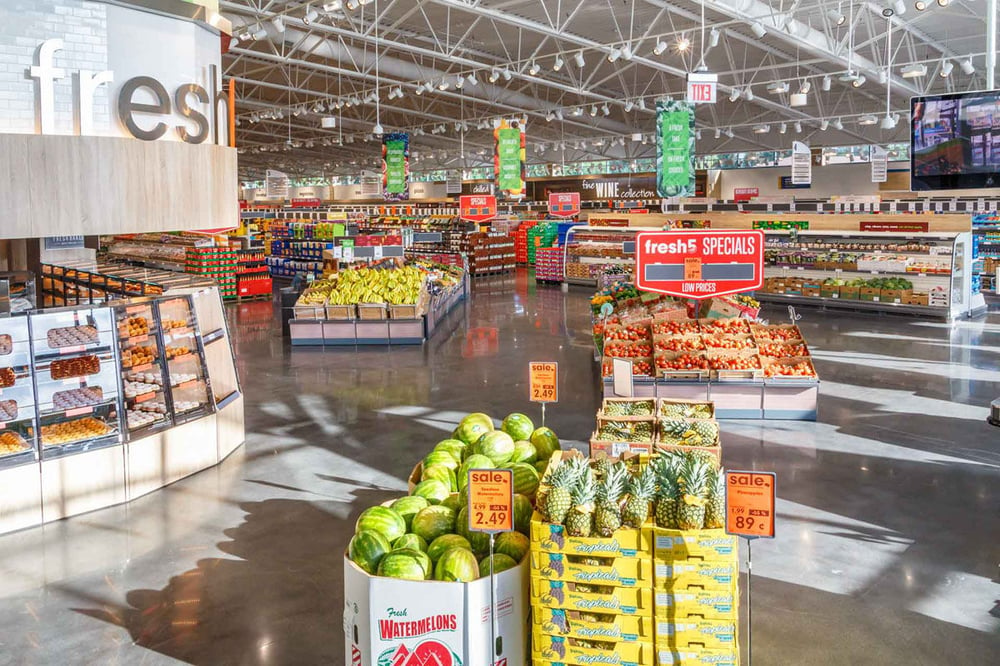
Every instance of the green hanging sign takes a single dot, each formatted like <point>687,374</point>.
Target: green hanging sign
<point>674,148</point>
<point>395,166</point>
<point>509,159</point>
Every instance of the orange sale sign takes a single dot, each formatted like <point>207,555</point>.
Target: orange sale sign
<point>750,504</point>
<point>491,500</point>
<point>544,380</point>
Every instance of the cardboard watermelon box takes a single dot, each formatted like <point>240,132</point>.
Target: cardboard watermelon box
<point>394,622</point>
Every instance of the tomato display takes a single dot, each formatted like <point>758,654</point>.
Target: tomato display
<point>729,342</point>
<point>800,369</point>
<point>683,343</point>
<point>748,362</point>
<point>777,333</point>
<point>675,327</point>
<point>682,362</point>
<point>782,350</point>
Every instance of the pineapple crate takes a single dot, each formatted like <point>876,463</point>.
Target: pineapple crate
<point>578,652</point>
<point>615,572</point>
<point>627,408</point>
<point>696,634</point>
<point>575,596</point>
<point>697,657</point>
<point>592,626</point>
<point>697,603</point>
<point>626,542</point>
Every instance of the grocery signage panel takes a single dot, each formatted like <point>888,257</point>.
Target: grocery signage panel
<point>478,208</point>
<point>700,264</point>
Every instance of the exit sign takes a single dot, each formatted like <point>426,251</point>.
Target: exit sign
<point>702,88</point>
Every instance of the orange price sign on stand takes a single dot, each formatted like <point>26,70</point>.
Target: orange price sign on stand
<point>750,504</point>
<point>491,500</point>
<point>544,378</point>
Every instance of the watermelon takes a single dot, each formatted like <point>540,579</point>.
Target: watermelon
<point>408,506</point>
<point>474,461</point>
<point>546,443</point>
<point>455,447</point>
<point>500,563</point>
<point>383,520</point>
<point>518,426</point>
<point>410,541</point>
<point>512,544</point>
<point>441,473</point>
<point>524,451</point>
<point>496,445</point>
<point>480,541</point>
<point>367,548</point>
<point>434,521</point>
<point>525,479</point>
<point>421,557</point>
<point>445,458</point>
<point>446,542</point>
<point>541,466</point>
<point>457,564</point>
<point>522,514</point>
<point>433,490</point>
<point>472,427</point>
<point>454,502</point>
<point>401,564</point>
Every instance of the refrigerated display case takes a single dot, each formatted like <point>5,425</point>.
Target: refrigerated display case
<point>75,362</point>
<point>106,404</point>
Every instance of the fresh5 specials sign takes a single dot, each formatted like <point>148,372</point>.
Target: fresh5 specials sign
<point>395,166</point>
<point>674,149</point>
<point>509,158</point>
<point>699,264</point>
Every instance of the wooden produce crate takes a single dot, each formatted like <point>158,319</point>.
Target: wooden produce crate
<point>787,349</point>
<point>341,312</point>
<point>671,326</point>
<point>717,359</point>
<point>628,350</point>
<point>411,310</point>
<point>372,311</point>
<point>663,405</point>
<point>638,363</point>
<point>678,343</point>
<point>634,405</point>
<point>687,374</point>
<point>633,424</point>
<point>309,311</point>
<point>770,365</point>
<point>729,342</point>
<point>724,326</point>
<point>775,332</point>
<point>716,451</point>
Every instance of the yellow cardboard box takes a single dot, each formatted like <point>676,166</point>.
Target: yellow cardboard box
<point>687,634</point>
<point>620,571</point>
<point>563,650</point>
<point>587,626</point>
<point>682,544</point>
<point>626,542</point>
<point>708,574</point>
<point>697,657</point>
<point>695,603</point>
<point>572,596</point>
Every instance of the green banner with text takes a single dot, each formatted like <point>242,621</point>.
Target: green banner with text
<point>674,148</point>
<point>395,167</point>
<point>509,158</point>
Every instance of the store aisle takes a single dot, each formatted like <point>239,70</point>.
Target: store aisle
<point>887,536</point>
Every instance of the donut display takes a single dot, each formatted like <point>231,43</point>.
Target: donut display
<point>65,368</point>
<point>8,410</point>
<point>7,377</point>
<point>80,397</point>
<point>133,327</point>
<point>6,345</point>
<point>72,336</point>
<point>73,431</point>
<point>11,442</point>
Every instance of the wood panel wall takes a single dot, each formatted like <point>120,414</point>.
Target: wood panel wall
<point>69,185</point>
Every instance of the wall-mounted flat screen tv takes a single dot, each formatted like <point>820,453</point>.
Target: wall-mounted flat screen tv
<point>955,141</point>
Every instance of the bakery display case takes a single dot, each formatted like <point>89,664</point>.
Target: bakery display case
<point>75,362</point>
<point>105,404</point>
<point>17,396</point>
<point>143,369</point>
<point>189,387</point>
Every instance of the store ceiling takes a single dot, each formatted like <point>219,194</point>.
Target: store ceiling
<point>310,61</point>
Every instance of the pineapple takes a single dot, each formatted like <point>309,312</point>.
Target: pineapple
<point>691,507</point>
<point>641,489</point>
<point>608,516</point>
<point>601,466</point>
<point>557,499</point>
<point>580,519</point>
<point>707,430</point>
<point>666,499</point>
<point>715,512</point>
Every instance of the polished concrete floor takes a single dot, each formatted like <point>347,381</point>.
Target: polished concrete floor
<point>888,535</point>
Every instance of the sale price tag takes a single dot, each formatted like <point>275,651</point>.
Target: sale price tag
<point>544,380</point>
<point>491,500</point>
<point>750,504</point>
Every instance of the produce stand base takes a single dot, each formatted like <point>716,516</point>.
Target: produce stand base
<point>780,400</point>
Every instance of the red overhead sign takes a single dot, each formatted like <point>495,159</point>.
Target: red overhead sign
<point>699,263</point>
<point>564,204</point>
<point>745,193</point>
<point>306,202</point>
<point>477,207</point>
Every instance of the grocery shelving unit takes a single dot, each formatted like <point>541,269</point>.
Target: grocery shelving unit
<point>589,249</point>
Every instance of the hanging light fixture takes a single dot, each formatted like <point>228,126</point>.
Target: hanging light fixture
<point>946,67</point>
<point>836,17</point>
<point>967,67</point>
<point>758,30</point>
<point>558,64</point>
<point>713,38</point>
<point>734,94</point>
<point>278,23</point>
<point>614,54</point>
<point>578,59</point>
<point>310,16</point>
<point>827,83</point>
<point>533,69</point>
<point>660,47</point>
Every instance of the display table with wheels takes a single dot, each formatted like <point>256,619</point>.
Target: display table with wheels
<point>104,404</point>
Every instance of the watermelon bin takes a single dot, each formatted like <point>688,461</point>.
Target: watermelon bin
<point>395,622</point>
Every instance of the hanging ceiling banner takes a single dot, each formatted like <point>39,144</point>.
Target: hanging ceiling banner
<point>674,148</point>
<point>396,167</point>
<point>275,185</point>
<point>510,158</point>
<point>802,171</point>
<point>880,164</point>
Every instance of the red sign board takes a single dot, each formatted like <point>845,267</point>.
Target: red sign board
<point>477,207</point>
<point>244,204</point>
<point>894,227</point>
<point>564,204</point>
<point>699,263</point>
<point>750,504</point>
<point>745,193</point>
<point>306,202</point>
